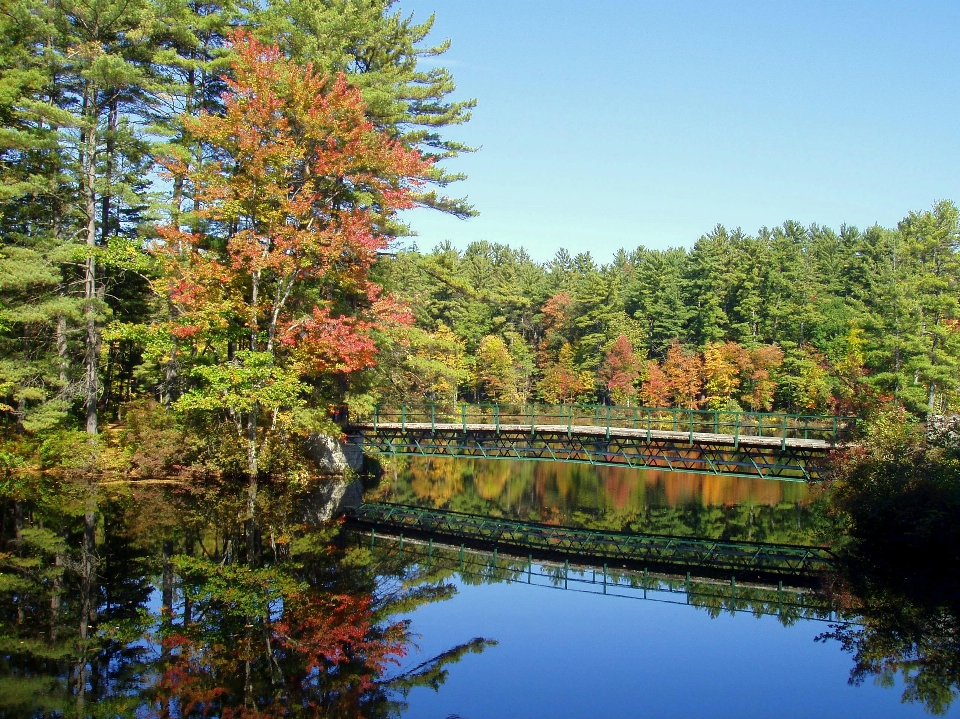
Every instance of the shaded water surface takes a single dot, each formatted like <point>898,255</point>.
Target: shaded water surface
<point>162,600</point>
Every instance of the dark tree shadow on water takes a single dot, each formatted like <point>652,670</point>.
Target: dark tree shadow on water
<point>897,584</point>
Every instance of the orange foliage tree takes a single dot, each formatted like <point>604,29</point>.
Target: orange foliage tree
<point>561,382</point>
<point>760,385</point>
<point>655,391</point>
<point>267,277</point>
<point>684,372</point>
<point>722,365</point>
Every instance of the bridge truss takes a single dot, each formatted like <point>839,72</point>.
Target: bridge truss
<point>395,554</point>
<point>707,453</point>
<point>650,551</point>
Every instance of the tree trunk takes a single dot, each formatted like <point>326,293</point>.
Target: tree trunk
<point>254,470</point>
<point>167,591</point>
<point>88,165</point>
<point>63,360</point>
<point>88,601</point>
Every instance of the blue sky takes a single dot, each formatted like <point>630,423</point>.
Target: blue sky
<point>611,124</point>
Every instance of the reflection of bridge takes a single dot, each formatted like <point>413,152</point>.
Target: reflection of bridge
<point>748,444</point>
<point>395,553</point>
<point>708,557</point>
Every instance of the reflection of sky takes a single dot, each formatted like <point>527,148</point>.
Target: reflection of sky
<point>568,654</point>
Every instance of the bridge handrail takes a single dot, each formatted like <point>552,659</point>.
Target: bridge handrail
<point>781,425</point>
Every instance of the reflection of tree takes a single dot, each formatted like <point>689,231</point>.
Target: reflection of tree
<point>899,496</point>
<point>613,498</point>
<point>262,642</point>
<point>439,482</point>
<point>902,624</point>
<point>292,626</point>
<point>69,612</point>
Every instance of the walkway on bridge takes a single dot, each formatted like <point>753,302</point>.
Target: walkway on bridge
<point>752,444</point>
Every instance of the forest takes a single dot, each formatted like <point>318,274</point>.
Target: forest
<point>202,255</point>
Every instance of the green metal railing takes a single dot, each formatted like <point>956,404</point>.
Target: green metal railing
<point>644,549</point>
<point>734,425</point>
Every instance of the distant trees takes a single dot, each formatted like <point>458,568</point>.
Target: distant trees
<point>802,319</point>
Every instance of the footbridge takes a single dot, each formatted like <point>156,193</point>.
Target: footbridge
<point>402,555</point>
<point>766,445</point>
<point>700,556</point>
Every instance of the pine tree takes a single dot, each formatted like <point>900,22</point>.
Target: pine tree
<point>380,50</point>
<point>654,296</point>
<point>36,378</point>
<point>708,284</point>
<point>931,242</point>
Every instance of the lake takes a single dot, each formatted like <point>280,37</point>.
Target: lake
<point>164,600</point>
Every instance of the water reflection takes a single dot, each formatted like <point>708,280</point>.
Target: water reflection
<point>904,622</point>
<point>470,566</point>
<point>150,602</point>
<point>610,498</point>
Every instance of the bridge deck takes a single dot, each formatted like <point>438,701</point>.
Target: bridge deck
<point>704,438</point>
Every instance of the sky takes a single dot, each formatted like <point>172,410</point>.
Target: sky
<point>609,124</point>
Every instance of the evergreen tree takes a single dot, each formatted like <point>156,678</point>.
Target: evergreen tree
<point>708,285</point>
<point>931,241</point>
<point>653,295</point>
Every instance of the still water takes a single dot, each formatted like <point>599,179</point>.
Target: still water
<point>163,600</point>
<point>611,498</point>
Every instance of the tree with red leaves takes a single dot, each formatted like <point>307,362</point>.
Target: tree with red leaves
<point>267,277</point>
<point>621,370</point>
<point>655,391</point>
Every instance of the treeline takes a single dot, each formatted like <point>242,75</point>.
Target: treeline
<point>799,319</point>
